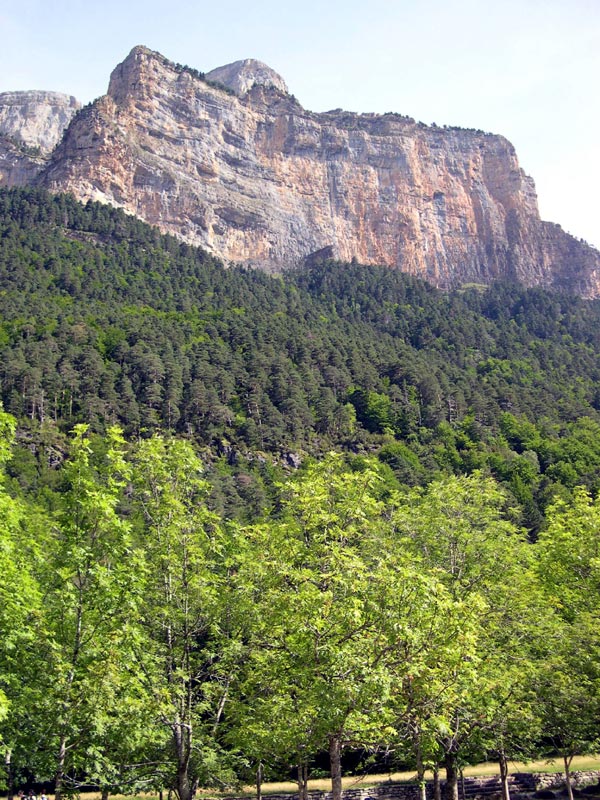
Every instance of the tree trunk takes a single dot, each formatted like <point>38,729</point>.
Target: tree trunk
<point>462,785</point>
<point>567,762</point>
<point>503,763</point>
<point>60,768</point>
<point>105,793</point>
<point>420,768</point>
<point>259,778</point>
<point>182,739</point>
<point>451,787</point>
<point>335,765</point>
<point>184,790</point>
<point>302,782</point>
<point>10,786</point>
<point>437,789</point>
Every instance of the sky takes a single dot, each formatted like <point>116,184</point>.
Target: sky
<point>527,69</point>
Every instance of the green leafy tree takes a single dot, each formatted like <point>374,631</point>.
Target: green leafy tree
<point>182,653</point>
<point>568,561</point>
<point>458,529</point>
<point>21,550</point>
<point>338,609</point>
<point>89,602</point>
<point>318,645</point>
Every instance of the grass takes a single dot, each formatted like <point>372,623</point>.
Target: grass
<point>580,763</point>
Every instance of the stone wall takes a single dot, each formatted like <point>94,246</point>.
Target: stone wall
<point>523,783</point>
<point>536,781</point>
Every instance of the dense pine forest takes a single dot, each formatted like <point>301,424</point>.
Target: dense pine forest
<point>252,523</point>
<point>105,321</point>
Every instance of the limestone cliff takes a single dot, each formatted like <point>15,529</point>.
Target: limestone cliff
<point>230,161</point>
<point>241,76</point>
<point>36,119</point>
<point>31,125</point>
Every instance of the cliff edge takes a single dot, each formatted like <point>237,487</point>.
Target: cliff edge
<point>232,162</point>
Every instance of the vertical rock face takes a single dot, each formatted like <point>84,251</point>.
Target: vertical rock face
<point>230,161</point>
<point>18,165</point>
<point>31,125</point>
<point>36,119</point>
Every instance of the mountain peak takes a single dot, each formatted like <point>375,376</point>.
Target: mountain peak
<point>241,76</point>
<point>262,182</point>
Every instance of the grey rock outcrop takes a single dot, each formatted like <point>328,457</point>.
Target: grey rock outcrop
<point>31,125</point>
<point>36,119</point>
<point>241,76</point>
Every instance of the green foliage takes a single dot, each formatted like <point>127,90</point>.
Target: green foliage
<point>178,649</point>
<point>104,320</point>
<point>373,410</point>
<point>388,596</point>
<point>20,592</point>
<point>183,654</point>
<point>569,560</point>
<point>332,606</point>
<point>568,685</point>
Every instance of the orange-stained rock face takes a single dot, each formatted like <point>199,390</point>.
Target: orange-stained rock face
<point>257,179</point>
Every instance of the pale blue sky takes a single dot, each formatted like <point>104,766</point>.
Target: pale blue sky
<point>528,69</point>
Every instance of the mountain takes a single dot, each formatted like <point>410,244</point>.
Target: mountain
<point>36,119</point>
<point>232,162</point>
<point>31,125</point>
<point>103,321</point>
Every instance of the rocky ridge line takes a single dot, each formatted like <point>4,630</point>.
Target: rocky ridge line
<point>232,162</point>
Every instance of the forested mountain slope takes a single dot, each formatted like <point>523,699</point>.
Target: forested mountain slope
<point>214,595</point>
<point>104,320</point>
